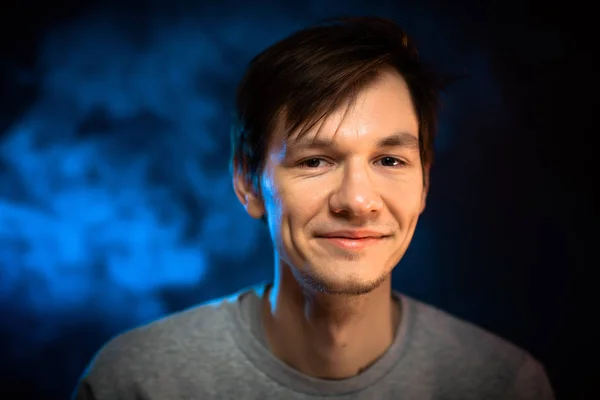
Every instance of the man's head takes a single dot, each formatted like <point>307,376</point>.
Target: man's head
<point>334,139</point>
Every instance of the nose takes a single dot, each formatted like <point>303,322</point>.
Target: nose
<point>356,196</point>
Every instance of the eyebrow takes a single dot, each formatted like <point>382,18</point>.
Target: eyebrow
<point>397,139</point>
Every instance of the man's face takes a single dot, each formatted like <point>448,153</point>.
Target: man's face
<point>343,201</point>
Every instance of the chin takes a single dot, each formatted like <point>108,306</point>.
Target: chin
<point>348,285</point>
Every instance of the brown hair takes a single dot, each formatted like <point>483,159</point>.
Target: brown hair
<point>313,72</point>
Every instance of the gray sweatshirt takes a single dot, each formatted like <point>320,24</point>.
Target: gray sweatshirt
<point>219,351</point>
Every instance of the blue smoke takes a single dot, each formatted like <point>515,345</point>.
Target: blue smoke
<point>114,187</point>
<point>103,159</point>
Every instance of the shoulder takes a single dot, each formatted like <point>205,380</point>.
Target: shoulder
<point>464,343</point>
<point>175,331</point>
<point>467,358</point>
<point>176,342</point>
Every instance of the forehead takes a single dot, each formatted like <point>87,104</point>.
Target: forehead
<point>382,108</point>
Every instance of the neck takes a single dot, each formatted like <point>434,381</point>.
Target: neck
<point>334,336</point>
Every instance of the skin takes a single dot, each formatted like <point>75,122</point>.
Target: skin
<point>335,304</point>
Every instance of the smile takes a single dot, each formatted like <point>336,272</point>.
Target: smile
<point>353,243</point>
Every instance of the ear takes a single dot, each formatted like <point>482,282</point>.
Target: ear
<point>246,194</point>
<point>426,169</point>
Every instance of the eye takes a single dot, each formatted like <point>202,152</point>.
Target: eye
<point>312,162</point>
<point>391,162</point>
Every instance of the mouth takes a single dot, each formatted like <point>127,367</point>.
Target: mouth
<point>355,244</point>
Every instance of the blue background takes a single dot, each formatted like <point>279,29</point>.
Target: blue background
<point>116,204</point>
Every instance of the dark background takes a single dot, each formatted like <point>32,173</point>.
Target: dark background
<point>116,204</point>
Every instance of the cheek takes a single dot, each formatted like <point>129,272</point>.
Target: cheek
<point>287,209</point>
<point>301,200</point>
<point>406,199</point>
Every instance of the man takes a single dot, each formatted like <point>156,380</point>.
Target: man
<point>332,150</point>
